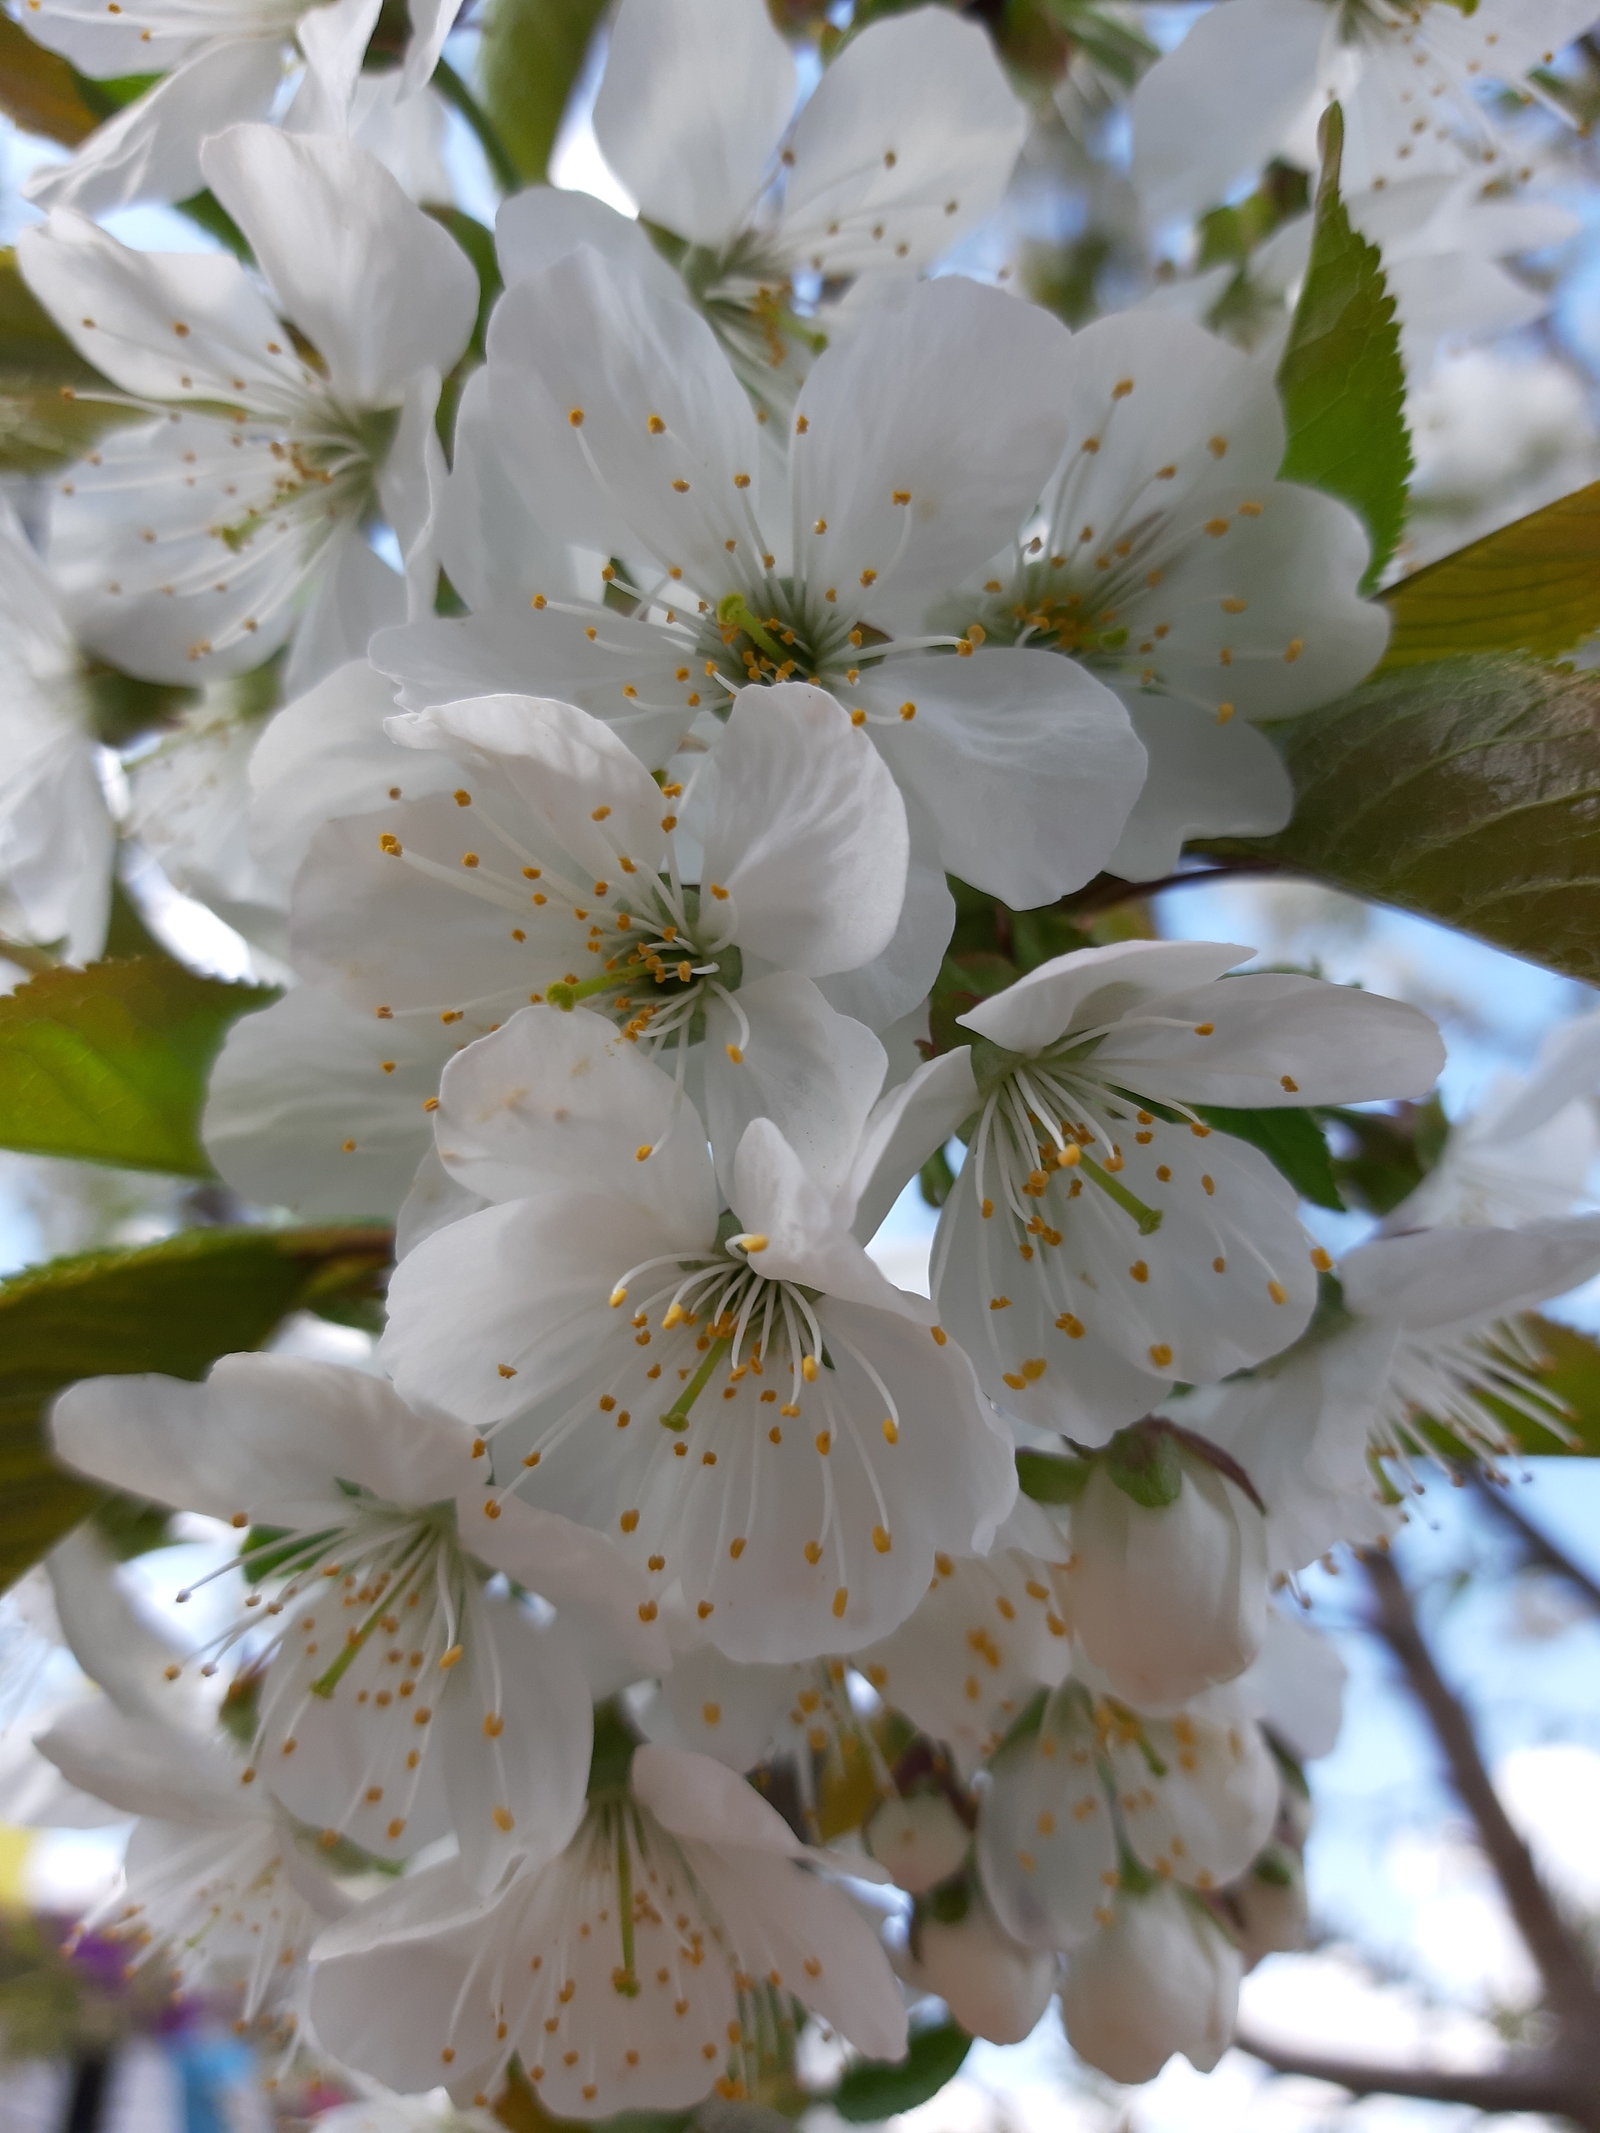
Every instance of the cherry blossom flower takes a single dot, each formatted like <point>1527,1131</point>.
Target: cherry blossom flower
<point>647,1964</point>
<point>1408,76</point>
<point>398,1700</point>
<point>1101,1239</point>
<point>756,1416</point>
<point>916,451</point>
<point>220,62</point>
<point>197,544</point>
<point>1169,561</point>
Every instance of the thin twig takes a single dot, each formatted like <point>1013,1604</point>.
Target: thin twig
<point>1106,891</point>
<point>1560,1960</point>
<point>1540,1547</point>
<point>1543,2084</point>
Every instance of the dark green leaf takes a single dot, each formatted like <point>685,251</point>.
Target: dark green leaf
<point>1340,378</point>
<point>42,422</point>
<point>174,1307</point>
<point>1144,1464</point>
<point>533,52</point>
<point>1386,1154</point>
<point>39,91</point>
<point>1291,1140</point>
<point>109,1064</point>
<point>1533,586</point>
<point>1049,1479</point>
<point>875,2088</point>
<point>1468,792</point>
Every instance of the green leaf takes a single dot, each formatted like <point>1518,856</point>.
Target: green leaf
<point>39,90</point>
<point>1144,1464</point>
<point>41,422</point>
<point>1049,1479</point>
<point>1467,792</point>
<point>478,244</point>
<point>878,2088</point>
<point>1340,378</point>
<point>174,1307</point>
<point>1570,1374</point>
<point>532,53</point>
<point>1387,1153</point>
<point>109,1064</point>
<point>1290,1140</point>
<point>1532,586</point>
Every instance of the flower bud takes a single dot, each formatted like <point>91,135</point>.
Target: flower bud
<point>1162,1978</point>
<point>992,1985</point>
<point>921,1840</point>
<point>1265,1909</point>
<point>1169,1570</point>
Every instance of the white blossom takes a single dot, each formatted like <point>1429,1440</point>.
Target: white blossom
<point>747,1406</point>
<point>647,1964</point>
<point>1163,1977</point>
<point>198,543</point>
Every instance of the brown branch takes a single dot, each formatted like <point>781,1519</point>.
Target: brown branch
<point>1568,1981</point>
<point>1540,1547</point>
<point>1106,891</point>
<point>1541,2084</point>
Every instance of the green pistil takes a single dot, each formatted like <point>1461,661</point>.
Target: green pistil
<point>329,1680</point>
<point>627,1983</point>
<point>677,1415</point>
<point>1148,1218</point>
<point>566,996</point>
<point>734,613</point>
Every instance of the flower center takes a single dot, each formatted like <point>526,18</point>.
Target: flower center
<point>657,971</point>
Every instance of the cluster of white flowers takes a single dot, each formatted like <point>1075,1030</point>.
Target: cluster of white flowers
<point>768,581</point>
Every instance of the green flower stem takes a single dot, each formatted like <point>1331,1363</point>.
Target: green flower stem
<point>455,91</point>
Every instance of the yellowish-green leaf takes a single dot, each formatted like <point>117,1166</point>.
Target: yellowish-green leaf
<point>532,53</point>
<point>174,1307</point>
<point>1532,586</point>
<point>109,1064</point>
<point>39,91</point>
<point>1340,377</point>
<point>41,420</point>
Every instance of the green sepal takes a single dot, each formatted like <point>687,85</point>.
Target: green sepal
<point>1145,1465</point>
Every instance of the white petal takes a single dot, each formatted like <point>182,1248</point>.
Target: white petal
<point>892,987</point>
<point>513,648</point>
<point>1095,985</point>
<point>568,1564</point>
<point>775,1196</point>
<point>616,479</point>
<point>793,1924</point>
<point>1442,1277</point>
<point>378,286</point>
<point>569,773</point>
<point>334,40</point>
<point>151,149</point>
<point>814,1073</point>
<point>904,1129</point>
<point>177,556</point>
<point>1005,1317</point>
<point>535,228</point>
<point>142,1767</point>
<point>57,840</point>
<point>804,834</point>
<point>1183,160</point>
<point>1027,764</point>
<point>562,1100</point>
<point>1205,780</point>
<point>520,1288</point>
<point>951,399</point>
<point>162,325</point>
<point>1210,1812</point>
<point>325,755</point>
<point>431,23</point>
<point>907,142</point>
<point>516,1792</point>
<point>1047,1846</point>
<point>301,1112</point>
<point>352,593</point>
<point>697,1798</point>
<point>1278,1039</point>
<point>492,542</point>
<point>694,97</point>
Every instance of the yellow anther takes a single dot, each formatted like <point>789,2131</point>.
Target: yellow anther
<point>808,1369</point>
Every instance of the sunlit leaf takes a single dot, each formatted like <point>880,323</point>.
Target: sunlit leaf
<point>533,51</point>
<point>1533,586</point>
